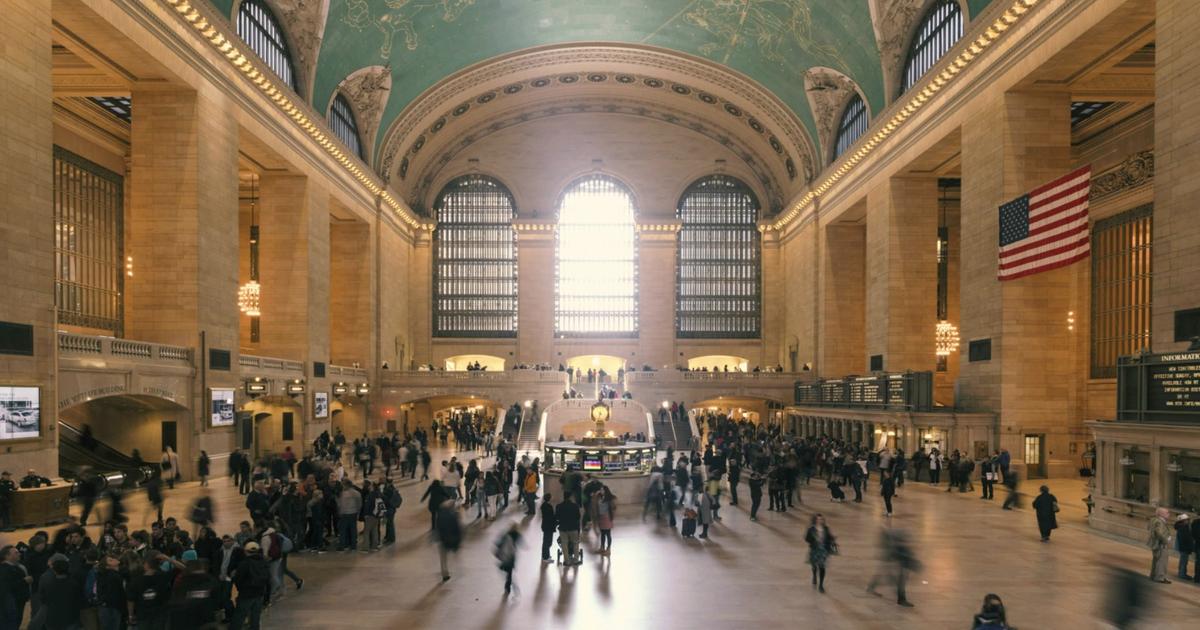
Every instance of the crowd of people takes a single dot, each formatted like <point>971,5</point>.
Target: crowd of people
<point>342,496</point>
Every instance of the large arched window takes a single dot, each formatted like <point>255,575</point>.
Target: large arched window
<point>854,122</point>
<point>940,29</point>
<point>341,120</point>
<point>257,26</point>
<point>718,290</point>
<point>475,260</point>
<point>596,251</point>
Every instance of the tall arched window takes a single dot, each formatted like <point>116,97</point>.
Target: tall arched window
<point>940,29</point>
<point>718,290</point>
<point>596,252</point>
<point>257,26</point>
<point>475,260</point>
<point>854,122</point>
<point>341,120</point>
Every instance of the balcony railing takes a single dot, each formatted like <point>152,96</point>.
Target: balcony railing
<point>343,372</point>
<point>270,363</point>
<point>84,345</point>
<point>511,376</point>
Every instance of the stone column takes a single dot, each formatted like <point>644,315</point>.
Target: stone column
<point>1176,154</point>
<point>901,273</point>
<point>183,240</point>
<point>1014,143</point>
<point>183,228</point>
<point>535,294</point>
<point>420,294</point>
<point>774,351</point>
<point>350,297</point>
<point>27,238</point>
<point>294,268</point>
<point>656,298</point>
<point>841,348</point>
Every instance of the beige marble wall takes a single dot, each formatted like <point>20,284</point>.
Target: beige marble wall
<point>901,273</point>
<point>1177,152</point>
<point>26,213</point>
<point>351,308</point>
<point>294,268</point>
<point>1016,143</point>
<point>799,269</point>
<point>656,299</point>
<point>842,302</point>
<point>535,297</point>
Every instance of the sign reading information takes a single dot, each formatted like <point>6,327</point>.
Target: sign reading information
<point>1159,387</point>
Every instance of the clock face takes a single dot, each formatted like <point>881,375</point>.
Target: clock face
<point>599,412</point>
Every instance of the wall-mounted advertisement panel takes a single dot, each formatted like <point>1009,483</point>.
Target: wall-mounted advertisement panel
<point>222,407</point>
<point>20,412</point>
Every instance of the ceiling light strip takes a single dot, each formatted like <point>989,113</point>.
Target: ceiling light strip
<point>940,80</point>
<point>231,50</point>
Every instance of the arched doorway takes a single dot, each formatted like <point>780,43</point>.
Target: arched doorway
<point>111,434</point>
<point>463,362</point>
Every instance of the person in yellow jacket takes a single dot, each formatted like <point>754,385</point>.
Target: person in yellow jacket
<point>530,491</point>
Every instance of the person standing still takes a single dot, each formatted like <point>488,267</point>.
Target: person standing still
<point>1184,543</point>
<point>888,490</point>
<point>1159,542</point>
<point>549,525</point>
<point>756,484</point>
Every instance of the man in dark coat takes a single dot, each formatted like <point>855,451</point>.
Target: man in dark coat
<point>1045,505</point>
<point>549,525</point>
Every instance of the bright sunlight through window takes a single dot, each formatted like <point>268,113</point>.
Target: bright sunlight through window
<point>597,260</point>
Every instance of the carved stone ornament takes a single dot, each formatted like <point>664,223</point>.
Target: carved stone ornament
<point>828,92</point>
<point>304,21</point>
<point>1137,170</point>
<point>367,90</point>
<point>894,21</point>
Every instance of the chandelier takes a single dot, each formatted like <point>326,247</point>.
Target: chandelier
<point>945,338</point>
<point>248,298</point>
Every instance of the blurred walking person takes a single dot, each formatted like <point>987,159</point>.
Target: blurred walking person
<point>821,545</point>
<point>896,561</point>
<point>506,553</point>
<point>1046,505</point>
<point>448,531</point>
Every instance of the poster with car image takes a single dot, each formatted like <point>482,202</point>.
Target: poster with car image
<point>20,413</point>
<point>321,405</point>
<point>222,407</point>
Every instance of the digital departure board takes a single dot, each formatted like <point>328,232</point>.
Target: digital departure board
<point>1159,387</point>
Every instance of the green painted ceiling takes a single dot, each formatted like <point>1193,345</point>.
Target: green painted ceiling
<point>770,41</point>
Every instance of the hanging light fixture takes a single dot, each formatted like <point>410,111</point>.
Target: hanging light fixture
<point>250,293</point>
<point>945,338</point>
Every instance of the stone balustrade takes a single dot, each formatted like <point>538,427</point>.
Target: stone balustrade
<point>75,345</point>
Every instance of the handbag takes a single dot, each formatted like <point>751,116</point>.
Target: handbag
<point>1056,507</point>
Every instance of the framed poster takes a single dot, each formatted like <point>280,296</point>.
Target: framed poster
<point>20,413</point>
<point>320,404</point>
<point>222,407</point>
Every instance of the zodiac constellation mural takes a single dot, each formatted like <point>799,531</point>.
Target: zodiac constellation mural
<point>401,18</point>
<point>766,25</point>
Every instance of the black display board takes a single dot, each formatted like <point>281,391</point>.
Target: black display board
<point>1159,387</point>
<point>911,391</point>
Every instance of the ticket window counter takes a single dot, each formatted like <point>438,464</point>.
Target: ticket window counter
<point>933,438</point>
<point>608,460</point>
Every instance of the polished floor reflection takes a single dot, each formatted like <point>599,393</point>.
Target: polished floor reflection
<point>747,574</point>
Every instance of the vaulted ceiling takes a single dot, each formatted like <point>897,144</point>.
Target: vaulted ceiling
<point>744,72</point>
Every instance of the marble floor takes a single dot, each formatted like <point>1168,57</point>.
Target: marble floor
<point>747,574</point>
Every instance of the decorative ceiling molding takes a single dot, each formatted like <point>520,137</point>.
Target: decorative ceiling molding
<point>975,43</point>
<point>766,179</point>
<point>367,89</point>
<point>894,22</point>
<point>1137,170</point>
<point>828,92</point>
<point>706,77</point>
<point>304,23</point>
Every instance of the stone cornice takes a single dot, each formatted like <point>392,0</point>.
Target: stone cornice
<point>200,18</point>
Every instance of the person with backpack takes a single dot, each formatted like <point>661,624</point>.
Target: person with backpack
<point>252,580</point>
<point>393,500</point>
<point>374,509</point>
<point>991,616</point>
<point>505,552</point>
<point>107,592</point>
<point>148,594</point>
<point>193,601</point>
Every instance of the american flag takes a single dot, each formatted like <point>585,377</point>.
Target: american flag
<point>1046,229</point>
